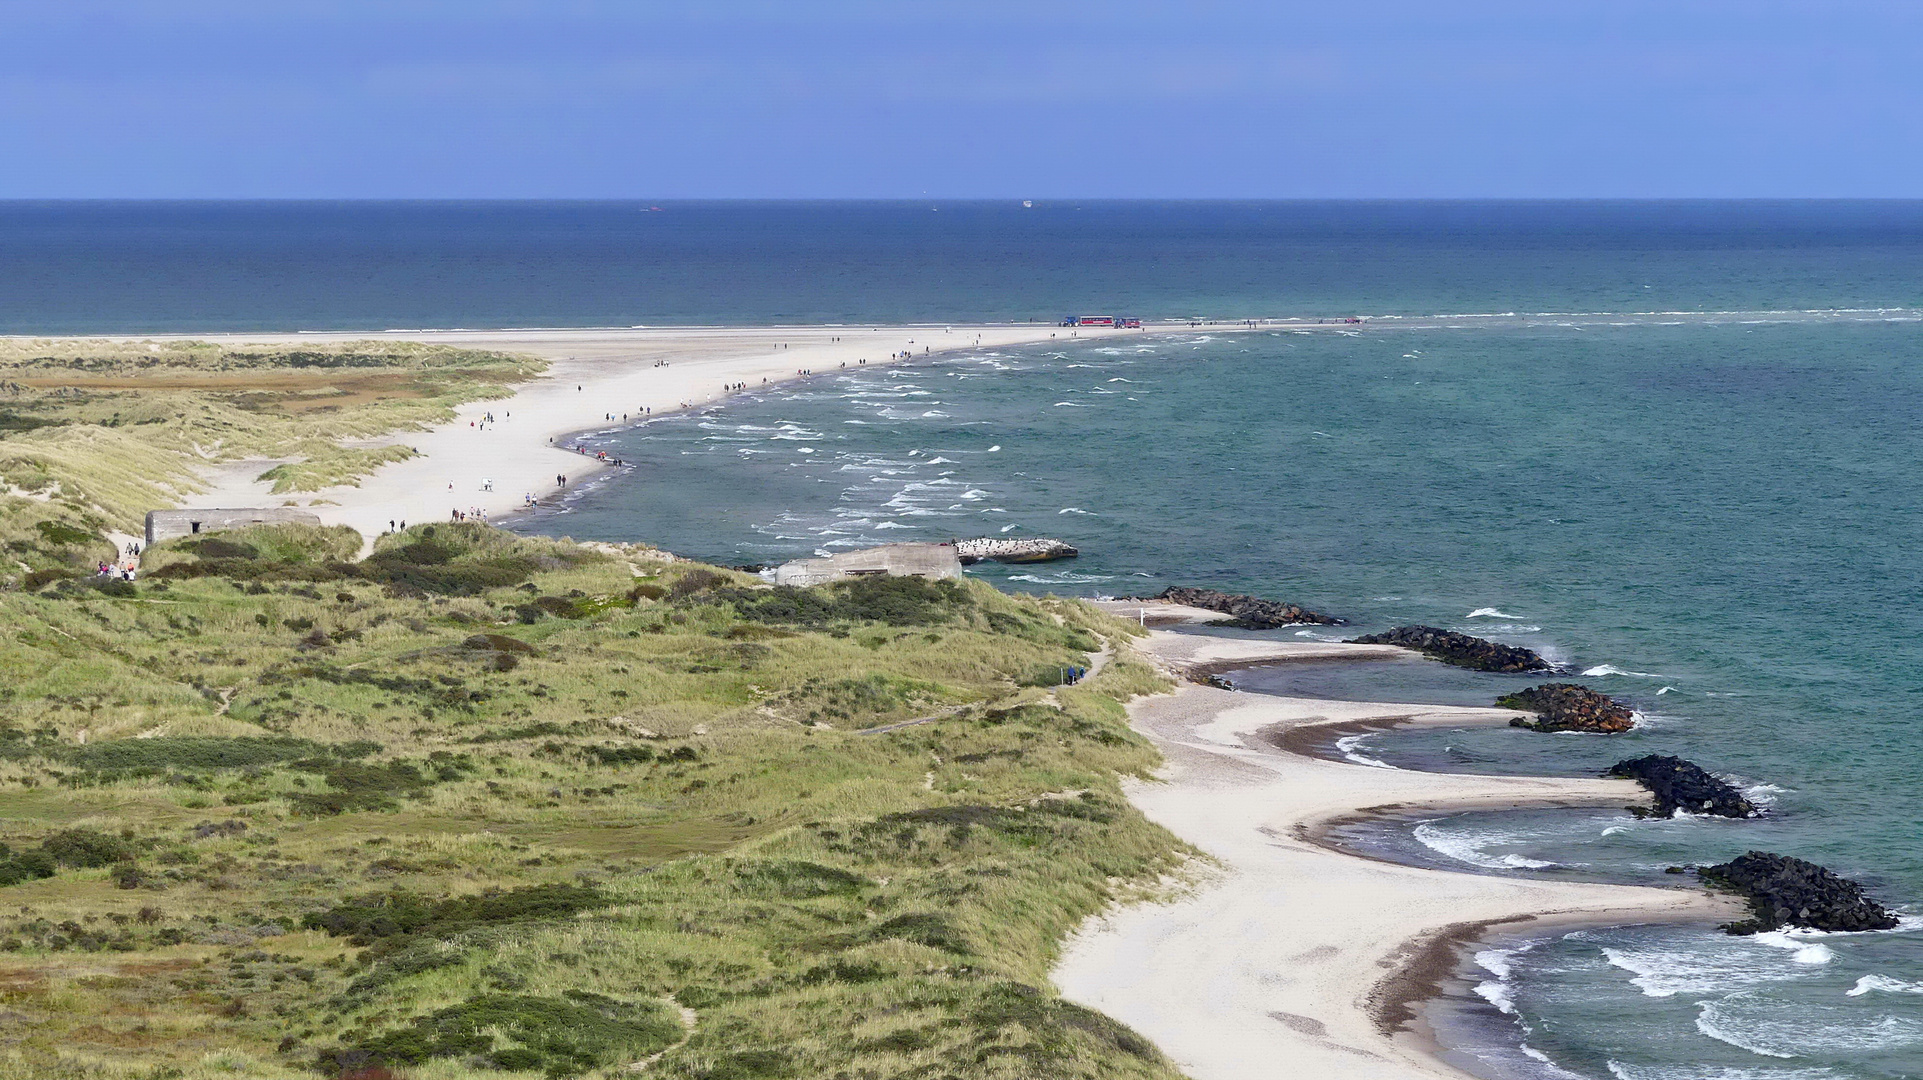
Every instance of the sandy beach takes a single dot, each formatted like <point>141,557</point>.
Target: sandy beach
<point>593,374</point>
<point>1288,958</point>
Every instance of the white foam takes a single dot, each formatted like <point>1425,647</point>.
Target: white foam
<point>1347,747</point>
<point>1076,510</point>
<point>1610,669</point>
<point>1711,1021</point>
<point>1624,1071</point>
<point>1491,613</point>
<point>1802,952</point>
<point>1468,849</point>
<point>1661,973</point>
<point>1884,984</point>
<point>992,449</point>
<point>1767,1028</point>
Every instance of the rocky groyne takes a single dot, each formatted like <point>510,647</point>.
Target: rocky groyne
<point>1683,785</point>
<point>1038,549</point>
<point>1459,649</point>
<point>1248,612</point>
<point>1785,891</point>
<point>1568,707</point>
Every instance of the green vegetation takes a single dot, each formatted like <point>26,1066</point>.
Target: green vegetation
<point>95,433</point>
<point>496,807</point>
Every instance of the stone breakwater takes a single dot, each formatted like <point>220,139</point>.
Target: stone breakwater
<point>1248,612</point>
<point>1459,649</point>
<point>1683,785</point>
<point>1568,707</point>
<point>1785,891</point>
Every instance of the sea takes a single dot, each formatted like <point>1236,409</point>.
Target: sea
<point>1674,446</point>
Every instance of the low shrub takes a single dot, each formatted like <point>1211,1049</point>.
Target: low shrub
<point>883,598</point>
<point>377,916</point>
<point>561,1036</point>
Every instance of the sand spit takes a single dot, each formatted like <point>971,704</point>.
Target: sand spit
<point>1289,958</point>
<point>593,374</point>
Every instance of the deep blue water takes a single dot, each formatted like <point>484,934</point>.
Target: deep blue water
<point>129,267</point>
<point>1725,509</point>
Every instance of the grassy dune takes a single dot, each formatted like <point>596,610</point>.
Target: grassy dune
<point>110,430</point>
<point>488,806</point>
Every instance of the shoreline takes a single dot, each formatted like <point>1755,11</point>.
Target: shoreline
<point>597,379</point>
<point>1295,950</point>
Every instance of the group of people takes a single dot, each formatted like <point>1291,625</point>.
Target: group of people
<point>472,513</point>
<point>122,570</point>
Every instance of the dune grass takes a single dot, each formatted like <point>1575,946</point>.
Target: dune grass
<point>112,429</point>
<point>490,806</point>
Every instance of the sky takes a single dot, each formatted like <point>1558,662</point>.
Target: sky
<point>663,99</point>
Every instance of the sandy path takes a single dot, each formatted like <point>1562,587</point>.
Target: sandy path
<point>1290,959</point>
<point>594,373</point>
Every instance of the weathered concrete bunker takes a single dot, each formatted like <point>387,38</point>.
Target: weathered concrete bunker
<point>167,524</point>
<point>904,560</point>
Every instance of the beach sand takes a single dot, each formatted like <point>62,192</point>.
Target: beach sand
<point>1288,958</point>
<point>593,373</point>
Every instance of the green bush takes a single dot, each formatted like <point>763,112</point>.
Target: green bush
<point>366,919</point>
<point>882,598</point>
<point>559,1036</point>
<point>193,752</point>
<point>62,534</point>
<point>85,848</point>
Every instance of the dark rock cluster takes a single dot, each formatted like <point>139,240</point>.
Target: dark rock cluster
<point>1683,785</point>
<point>1785,891</point>
<point>1568,707</point>
<point>1250,612</point>
<point>1459,649</point>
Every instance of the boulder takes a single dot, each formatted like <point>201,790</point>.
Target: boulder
<point>1250,612</point>
<point>1568,707</point>
<point>1683,785</point>
<point>1784,891</point>
<point>1459,649</point>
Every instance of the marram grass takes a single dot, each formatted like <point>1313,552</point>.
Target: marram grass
<point>274,735</point>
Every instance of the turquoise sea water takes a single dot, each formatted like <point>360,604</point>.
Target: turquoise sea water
<point>1717,517</point>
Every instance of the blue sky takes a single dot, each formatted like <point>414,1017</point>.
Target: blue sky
<point>991,98</point>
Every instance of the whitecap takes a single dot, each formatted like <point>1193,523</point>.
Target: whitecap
<point>1610,669</point>
<point>804,449</point>
<point>1491,613</point>
<point>1009,526</point>
<point>1802,952</point>
<point>1884,984</point>
<point>893,525</point>
<point>992,449</point>
<point>1076,510</point>
<point>1468,849</point>
<point>1664,690</point>
<point>1347,747</point>
<point>941,461</point>
<point>1768,1029</point>
<point>1067,404</point>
